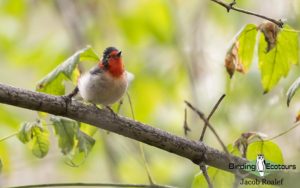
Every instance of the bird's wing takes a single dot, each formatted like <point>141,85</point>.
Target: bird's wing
<point>96,70</point>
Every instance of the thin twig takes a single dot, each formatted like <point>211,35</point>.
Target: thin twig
<point>274,137</point>
<point>202,116</point>
<point>185,124</point>
<point>151,181</point>
<point>9,136</point>
<point>204,171</point>
<point>130,103</point>
<point>210,115</point>
<point>230,6</point>
<point>90,185</point>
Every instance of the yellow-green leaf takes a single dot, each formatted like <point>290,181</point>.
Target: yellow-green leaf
<point>247,40</point>
<point>234,150</point>
<point>270,150</point>
<point>276,63</point>
<point>24,133</point>
<point>40,142</point>
<point>36,136</point>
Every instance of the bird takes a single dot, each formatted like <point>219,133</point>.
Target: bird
<point>107,82</point>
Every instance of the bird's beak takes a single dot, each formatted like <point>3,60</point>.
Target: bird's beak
<point>119,54</point>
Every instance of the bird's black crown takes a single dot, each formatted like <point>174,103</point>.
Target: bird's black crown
<point>108,50</point>
<point>106,53</point>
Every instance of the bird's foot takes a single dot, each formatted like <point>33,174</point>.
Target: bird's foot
<point>68,100</point>
<point>111,110</point>
<point>108,108</point>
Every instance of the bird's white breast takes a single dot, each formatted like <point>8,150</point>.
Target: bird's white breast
<point>102,88</point>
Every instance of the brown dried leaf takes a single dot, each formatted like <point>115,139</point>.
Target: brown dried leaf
<point>229,64</point>
<point>246,138</point>
<point>270,31</point>
<point>232,62</point>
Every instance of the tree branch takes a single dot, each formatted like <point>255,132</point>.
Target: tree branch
<point>230,6</point>
<point>195,151</point>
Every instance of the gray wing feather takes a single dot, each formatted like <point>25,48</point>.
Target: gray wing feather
<point>96,70</point>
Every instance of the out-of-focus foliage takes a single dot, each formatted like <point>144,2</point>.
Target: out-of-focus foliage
<point>176,51</point>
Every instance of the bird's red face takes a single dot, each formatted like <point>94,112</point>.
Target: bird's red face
<point>112,62</point>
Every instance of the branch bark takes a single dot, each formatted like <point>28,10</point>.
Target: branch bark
<point>192,150</point>
<point>230,6</point>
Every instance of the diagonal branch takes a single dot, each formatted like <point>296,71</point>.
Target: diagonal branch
<point>193,150</point>
<point>104,119</point>
<point>202,116</point>
<point>210,115</point>
<point>230,6</point>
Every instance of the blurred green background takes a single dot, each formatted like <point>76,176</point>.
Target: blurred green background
<point>176,51</point>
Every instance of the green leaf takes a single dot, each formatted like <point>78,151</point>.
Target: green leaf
<point>219,178</point>
<point>37,138</point>
<point>270,150</point>
<point>66,130</point>
<point>276,63</point>
<point>234,150</point>
<point>40,142</point>
<point>25,133</point>
<point>292,90</point>
<point>85,142</point>
<point>53,83</point>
